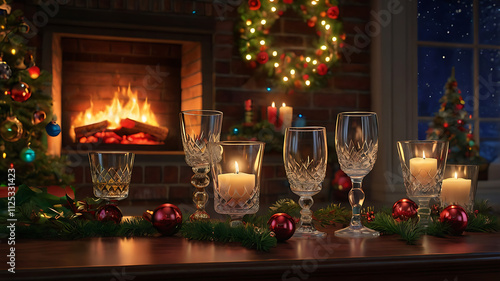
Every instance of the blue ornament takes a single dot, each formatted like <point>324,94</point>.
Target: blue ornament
<point>53,129</point>
<point>27,155</point>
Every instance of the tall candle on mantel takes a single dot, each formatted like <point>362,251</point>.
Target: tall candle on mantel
<point>423,169</point>
<point>286,115</point>
<point>237,186</point>
<point>456,191</point>
<point>272,113</point>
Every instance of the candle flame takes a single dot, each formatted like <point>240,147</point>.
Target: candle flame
<point>423,153</point>
<point>283,104</point>
<point>456,176</point>
<point>273,104</point>
<point>236,168</point>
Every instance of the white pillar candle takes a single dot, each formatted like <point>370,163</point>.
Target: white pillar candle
<point>286,115</point>
<point>456,191</point>
<point>423,169</point>
<point>236,186</point>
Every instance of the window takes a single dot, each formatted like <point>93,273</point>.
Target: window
<point>463,34</point>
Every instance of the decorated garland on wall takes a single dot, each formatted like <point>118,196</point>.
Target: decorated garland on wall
<point>291,70</point>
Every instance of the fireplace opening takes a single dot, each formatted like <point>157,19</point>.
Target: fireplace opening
<point>121,93</point>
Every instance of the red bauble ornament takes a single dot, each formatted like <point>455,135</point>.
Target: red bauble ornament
<point>262,57</point>
<point>333,12</point>
<point>456,216</point>
<point>20,92</point>
<point>445,125</point>
<point>459,106</point>
<point>305,77</point>
<point>34,72</point>
<point>283,226</point>
<point>460,121</point>
<point>404,209</point>
<point>167,219</point>
<point>109,212</point>
<point>312,21</point>
<point>254,5</point>
<point>322,69</point>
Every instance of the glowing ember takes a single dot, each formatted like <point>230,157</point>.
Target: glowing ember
<point>117,111</point>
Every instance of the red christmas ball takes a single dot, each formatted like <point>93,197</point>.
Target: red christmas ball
<point>34,72</point>
<point>322,69</point>
<point>283,226</point>
<point>262,57</point>
<point>109,212</point>
<point>456,216</point>
<point>404,209</point>
<point>167,219</point>
<point>20,92</point>
<point>333,12</point>
<point>254,5</point>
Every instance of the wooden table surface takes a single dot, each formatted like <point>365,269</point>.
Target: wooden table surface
<point>474,256</point>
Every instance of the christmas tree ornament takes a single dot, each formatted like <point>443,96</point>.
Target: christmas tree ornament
<point>166,218</point>
<point>27,155</point>
<point>322,69</point>
<point>283,226</point>
<point>20,92</point>
<point>38,117</point>
<point>53,129</point>
<point>456,217</point>
<point>109,212</point>
<point>34,72</point>
<point>404,209</point>
<point>5,70</point>
<point>11,129</point>
<point>24,27</point>
<point>333,12</point>
<point>254,4</point>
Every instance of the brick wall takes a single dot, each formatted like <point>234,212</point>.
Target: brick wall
<point>234,82</point>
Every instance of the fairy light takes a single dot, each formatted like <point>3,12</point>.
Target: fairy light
<point>275,53</point>
<point>314,2</point>
<point>248,57</point>
<point>276,64</point>
<point>323,22</point>
<point>4,155</point>
<point>252,30</point>
<point>292,71</point>
<point>249,22</point>
<point>327,59</point>
<point>273,9</point>
<point>323,47</point>
<point>285,79</point>
<point>315,62</point>
<point>262,42</point>
<point>308,83</point>
<point>263,22</point>
<point>334,39</point>
<point>327,27</point>
<point>308,59</point>
<point>13,51</point>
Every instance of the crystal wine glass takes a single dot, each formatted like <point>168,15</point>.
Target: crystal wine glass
<point>198,128</point>
<point>356,141</point>
<point>305,156</point>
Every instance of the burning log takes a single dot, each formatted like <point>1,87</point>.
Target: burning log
<point>89,130</point>
<point>133,126</point>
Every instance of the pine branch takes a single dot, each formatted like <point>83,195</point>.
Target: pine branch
<point>332,214</point>
<point>409,230</point>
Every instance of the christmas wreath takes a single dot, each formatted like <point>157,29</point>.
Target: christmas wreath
<point>290,70</point>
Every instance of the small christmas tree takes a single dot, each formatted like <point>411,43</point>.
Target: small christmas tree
<point>450,124</point>
<point>25,110</point>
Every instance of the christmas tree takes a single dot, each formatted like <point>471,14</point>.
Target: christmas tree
<point>451,124</point>
<point>25,110</point>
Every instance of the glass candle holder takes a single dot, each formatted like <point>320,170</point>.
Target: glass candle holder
<point>423,163</point>
<point>236,171</point>
<point>459,186</point>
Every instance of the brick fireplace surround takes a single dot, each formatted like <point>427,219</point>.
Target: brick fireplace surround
<point>226,80</point>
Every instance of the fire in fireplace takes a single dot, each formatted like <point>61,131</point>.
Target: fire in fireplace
<point>123,121</point>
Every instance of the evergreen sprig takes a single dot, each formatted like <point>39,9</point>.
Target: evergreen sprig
<point>332,215</point>
<point>408,231</point>
<point>248,235</point>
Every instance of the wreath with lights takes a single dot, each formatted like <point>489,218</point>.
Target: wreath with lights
<point>290,70</point>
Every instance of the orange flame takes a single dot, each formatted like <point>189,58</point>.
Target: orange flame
<point>117,111</point>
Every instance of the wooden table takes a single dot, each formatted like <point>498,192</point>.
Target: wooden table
<point>474,256</point>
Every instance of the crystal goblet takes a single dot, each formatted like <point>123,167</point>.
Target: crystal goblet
<point>356,142</point>
<point>198,128</point>
<point>305,156</point>
<point>423,163</point>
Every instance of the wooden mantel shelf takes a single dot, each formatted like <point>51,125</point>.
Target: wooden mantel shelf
<point>474,256</point>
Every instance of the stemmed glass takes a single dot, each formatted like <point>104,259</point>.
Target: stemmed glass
<point>356,141</point>
<point>305,156</point>
<point>198,128</point>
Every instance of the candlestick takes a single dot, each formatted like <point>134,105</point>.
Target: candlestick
<point>423,169</point>
<point>272,112</point>
<point>285,116</point>
<point>456,191</point>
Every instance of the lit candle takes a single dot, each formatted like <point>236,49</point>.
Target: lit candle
<point>423,169</point>
<point>236,186</point>
<point>286,114</point>
<point>272,112</point>
<point>456,191</point>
